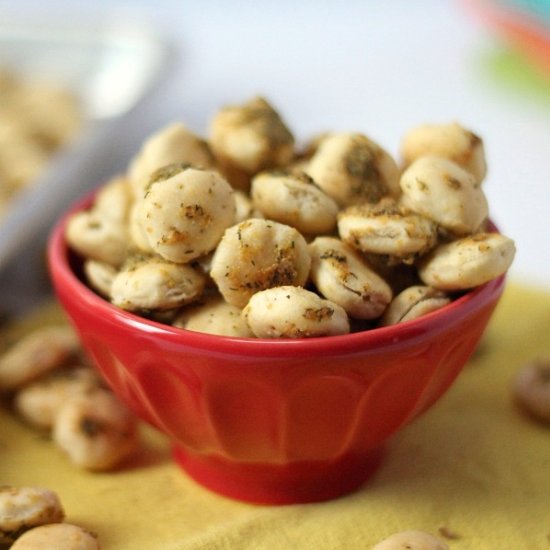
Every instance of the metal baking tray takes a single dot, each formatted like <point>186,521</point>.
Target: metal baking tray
<point>111,70</point>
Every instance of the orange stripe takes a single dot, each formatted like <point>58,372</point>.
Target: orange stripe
<point>526,34</point>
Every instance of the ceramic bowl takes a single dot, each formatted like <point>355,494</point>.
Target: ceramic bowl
<point>273,421</point>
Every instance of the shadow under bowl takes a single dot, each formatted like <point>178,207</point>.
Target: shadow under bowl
<point>273,421</point>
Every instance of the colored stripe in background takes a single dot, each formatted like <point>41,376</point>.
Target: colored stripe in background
<point>540,9</point>
<point>523,24</point>
<point>509,71</point>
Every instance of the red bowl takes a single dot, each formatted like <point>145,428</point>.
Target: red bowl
<point>273,421</point>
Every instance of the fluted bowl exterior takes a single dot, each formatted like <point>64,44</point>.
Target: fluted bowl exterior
<point>261,407</point>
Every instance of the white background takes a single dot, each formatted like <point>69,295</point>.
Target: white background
<point>375,67</point>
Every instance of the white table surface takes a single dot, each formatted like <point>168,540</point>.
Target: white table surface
<point>375,67</point>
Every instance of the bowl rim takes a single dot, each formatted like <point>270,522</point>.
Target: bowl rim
<point>377,338</point>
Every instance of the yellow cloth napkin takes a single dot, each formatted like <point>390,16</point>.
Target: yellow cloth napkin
<point>473,469</point>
